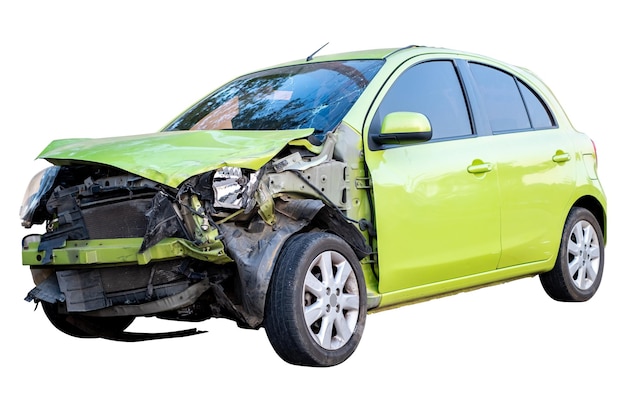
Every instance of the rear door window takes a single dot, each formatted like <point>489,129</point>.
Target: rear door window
<point>510,104</point>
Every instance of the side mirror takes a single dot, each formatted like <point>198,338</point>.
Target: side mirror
<point>399,127</point>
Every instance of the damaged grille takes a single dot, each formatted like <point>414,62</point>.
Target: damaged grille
<point>104,287</point>
<point>117,220</point>
<point>113,215</point>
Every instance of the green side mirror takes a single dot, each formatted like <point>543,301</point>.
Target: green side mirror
<point>403,126</point>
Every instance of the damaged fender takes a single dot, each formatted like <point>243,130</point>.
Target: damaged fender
<point>255,253</point>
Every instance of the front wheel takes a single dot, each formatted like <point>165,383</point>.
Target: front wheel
<point>578,270</point>
<point>316,303</point>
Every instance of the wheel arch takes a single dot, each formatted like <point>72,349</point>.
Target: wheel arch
<point>579,264</point>
<point>597,209</point>
<point>256,253</point>
<point>332,221</point>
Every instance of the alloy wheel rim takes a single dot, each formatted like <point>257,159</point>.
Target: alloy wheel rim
<point>330,300</point>
<point>584,255</point>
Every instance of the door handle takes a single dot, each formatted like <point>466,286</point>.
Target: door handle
<point>479,168</point>
<point>561,156</point>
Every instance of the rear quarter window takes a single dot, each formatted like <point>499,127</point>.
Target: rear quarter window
<point>540,116</point>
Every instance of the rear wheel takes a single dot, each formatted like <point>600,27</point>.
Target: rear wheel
<point>85,326</point>
<point>578,270</point>
<point>316,305</point>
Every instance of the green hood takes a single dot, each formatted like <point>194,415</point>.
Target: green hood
<point>172,157</point>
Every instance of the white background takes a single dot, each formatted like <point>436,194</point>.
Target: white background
<point>95,69</point>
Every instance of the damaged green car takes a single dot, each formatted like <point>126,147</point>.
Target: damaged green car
<point>301,197</point>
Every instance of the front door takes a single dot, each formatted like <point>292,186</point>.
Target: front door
<point>436,203</point>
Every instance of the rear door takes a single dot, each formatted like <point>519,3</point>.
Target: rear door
<point>535,164</point>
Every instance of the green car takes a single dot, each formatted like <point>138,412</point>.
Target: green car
<point>301,197</point>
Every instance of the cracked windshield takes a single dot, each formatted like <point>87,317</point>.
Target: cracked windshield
<point>315,95</point>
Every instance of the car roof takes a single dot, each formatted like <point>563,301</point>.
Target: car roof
<point>382,53</point>
<point>399,55</point>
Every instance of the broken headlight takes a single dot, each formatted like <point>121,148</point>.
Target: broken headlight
<point>37,188</point>
<point>233,188</point>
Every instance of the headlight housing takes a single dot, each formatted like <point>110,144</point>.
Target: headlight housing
<point>39,185</point>
<point>233,187</point>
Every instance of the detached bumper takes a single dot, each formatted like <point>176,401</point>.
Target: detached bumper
<point>111,277</point>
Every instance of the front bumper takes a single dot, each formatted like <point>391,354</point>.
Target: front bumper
<point>119,251</point>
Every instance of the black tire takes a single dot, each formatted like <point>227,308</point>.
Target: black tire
<point>85,326</point>
<point>578,269</point>
<point>337,303</point>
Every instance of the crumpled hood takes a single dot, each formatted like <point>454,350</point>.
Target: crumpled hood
<point>172,157</point>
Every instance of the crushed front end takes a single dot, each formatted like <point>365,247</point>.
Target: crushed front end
<point>119,245</point>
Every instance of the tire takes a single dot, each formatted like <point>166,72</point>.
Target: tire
<point>578,269</point>
<point>316,304</point>
<point>85,326</point>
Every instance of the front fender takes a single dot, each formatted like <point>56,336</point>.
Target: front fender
<point>256,248</point>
